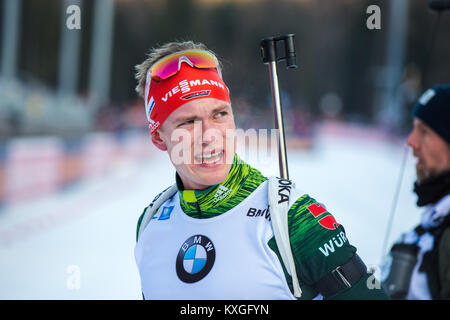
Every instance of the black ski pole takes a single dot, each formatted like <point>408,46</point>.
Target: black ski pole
<point>270,56</point>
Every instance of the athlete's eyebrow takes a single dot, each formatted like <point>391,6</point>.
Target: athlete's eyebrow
<point>420,125</point>
<point>219,108</point>
<point>186,118</point>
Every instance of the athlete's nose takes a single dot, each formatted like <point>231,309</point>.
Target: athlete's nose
<point>210,132</point>
<point>412,140</point>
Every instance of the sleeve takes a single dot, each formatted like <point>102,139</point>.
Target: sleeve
<point>137,234</point>
<point>444,264</point>
<point>148,207</point>
<point>320,245</point>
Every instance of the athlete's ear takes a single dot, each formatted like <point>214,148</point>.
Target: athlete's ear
<point>158,142</point>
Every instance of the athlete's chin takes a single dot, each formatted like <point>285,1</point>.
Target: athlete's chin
<point>206,176</point>
<point>213,175</point>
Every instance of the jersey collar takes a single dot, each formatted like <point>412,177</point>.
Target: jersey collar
<point>212,199</point>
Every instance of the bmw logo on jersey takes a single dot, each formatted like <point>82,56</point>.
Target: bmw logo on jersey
<point>195,258</point>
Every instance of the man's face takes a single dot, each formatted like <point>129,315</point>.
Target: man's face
<point>199,137</point>
<point>432,152</point>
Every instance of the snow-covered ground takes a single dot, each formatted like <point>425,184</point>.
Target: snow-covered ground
<point>78,243</point>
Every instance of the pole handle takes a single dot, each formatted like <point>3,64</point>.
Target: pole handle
<point>269,50</point>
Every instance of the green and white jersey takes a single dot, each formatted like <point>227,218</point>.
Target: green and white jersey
<point>221,257</point>
<point>218,243</point>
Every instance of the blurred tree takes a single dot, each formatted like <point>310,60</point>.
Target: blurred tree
<point>40,39</point>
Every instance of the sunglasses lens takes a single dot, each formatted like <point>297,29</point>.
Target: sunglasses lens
<point>202,59</point>
<point>164,70</point>
<point>169,66</point>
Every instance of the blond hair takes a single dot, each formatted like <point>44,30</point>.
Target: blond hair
<point>156,54</point>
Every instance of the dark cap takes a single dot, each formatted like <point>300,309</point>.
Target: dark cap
<point>433,108</point>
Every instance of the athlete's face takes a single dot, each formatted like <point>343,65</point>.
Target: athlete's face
<point>432,152</point>
<point>199,137</point>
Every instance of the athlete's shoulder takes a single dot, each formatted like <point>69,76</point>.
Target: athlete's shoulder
<point>254,178</point>
<point>159,195</point>
<point>306,216</point>
<point>141,217</point>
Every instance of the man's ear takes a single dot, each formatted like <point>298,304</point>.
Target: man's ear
<point>158,142</point>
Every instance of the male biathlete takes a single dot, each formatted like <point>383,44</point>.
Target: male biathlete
<point>210,235</point>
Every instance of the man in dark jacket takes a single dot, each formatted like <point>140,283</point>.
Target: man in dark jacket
<point>427,247</point>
